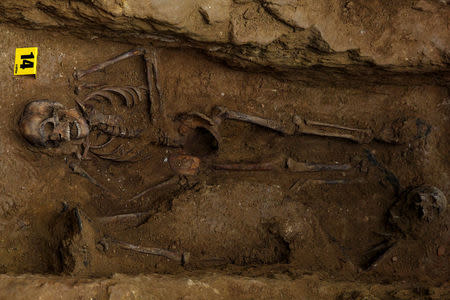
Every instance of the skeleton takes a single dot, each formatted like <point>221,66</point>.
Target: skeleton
<point>47,124</point>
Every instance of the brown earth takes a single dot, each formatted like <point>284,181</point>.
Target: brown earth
<point>259,234</point>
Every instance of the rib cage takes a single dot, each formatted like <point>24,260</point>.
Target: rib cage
<point>129,94</point>
<point>111,124</point>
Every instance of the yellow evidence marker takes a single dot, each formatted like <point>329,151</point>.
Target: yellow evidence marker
<point>26,61</point>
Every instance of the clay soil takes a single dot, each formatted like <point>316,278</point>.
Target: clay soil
<point>251,223</point>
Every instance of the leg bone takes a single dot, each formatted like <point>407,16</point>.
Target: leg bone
<point>332,130</point>
<point>77,169</point>
<point>223,113</point>
<point>164,183</point>
<point>299,125</point>
<point>280,164</point>
<point>182,258</point>
<point>382,252</point>
<point>276,164</point>
<point>121,217</point>
<point>157,108</point>
<point>295,166</point>
<point>298,185</point>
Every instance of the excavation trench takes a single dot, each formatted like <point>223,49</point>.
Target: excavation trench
<point>191,198</point>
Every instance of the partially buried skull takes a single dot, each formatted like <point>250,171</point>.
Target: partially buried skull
<point>417,208</point>
<point>48,123</point>
<point>428,202</point>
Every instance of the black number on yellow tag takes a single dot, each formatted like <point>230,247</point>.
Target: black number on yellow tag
<point>26,63</point>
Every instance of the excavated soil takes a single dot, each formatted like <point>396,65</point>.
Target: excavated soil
<point>275,224</point>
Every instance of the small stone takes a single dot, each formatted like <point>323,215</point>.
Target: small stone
<point>440,250</point>
<point>394,258</point>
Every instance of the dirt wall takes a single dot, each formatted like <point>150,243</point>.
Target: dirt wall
<point>352,37</point>
<point>207,286</point>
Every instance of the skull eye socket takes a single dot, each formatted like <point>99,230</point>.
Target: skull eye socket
<point>47,130</point>
<point>418,199</point>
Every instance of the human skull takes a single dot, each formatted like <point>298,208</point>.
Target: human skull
<point>417,209</point>
<point>427,201</point>
<point>48,123</point>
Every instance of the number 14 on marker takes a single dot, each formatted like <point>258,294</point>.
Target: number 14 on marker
<point>26,61</point>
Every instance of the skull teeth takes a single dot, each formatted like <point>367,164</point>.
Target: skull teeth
<point>68,132</point>
<point>78,129</point>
